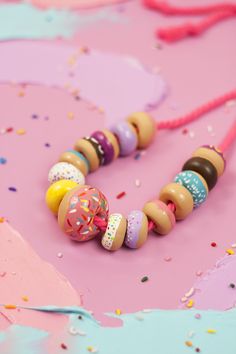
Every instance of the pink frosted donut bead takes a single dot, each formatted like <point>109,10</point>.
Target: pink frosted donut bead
<point>77,211</point>
<point>159,213</point>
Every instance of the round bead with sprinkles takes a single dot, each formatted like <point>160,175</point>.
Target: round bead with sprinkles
<point>137,229</point>
<point>77,211</point>
<point>127,137</point>
<point>195,184</point>
<point>114,236</point>
<point>65,170</point>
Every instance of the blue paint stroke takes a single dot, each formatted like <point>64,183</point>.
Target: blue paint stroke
<point>23,21</point>
<point>157,331</point>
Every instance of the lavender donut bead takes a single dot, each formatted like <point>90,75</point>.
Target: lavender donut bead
<point>126,136</point>
<point>137,229</point>
<point>105,145</point>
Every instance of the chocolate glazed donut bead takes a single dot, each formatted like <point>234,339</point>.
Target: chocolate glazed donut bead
<point>87,149</point>
<point>180,197</point>
<point>145,127</point>
<point>127,137</point>
<point>97,147</point>
<point>212,154</point>
<point>106,146</point>
<point>204,167</point>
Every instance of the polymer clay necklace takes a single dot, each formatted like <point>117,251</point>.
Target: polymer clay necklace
<point>83,210</point>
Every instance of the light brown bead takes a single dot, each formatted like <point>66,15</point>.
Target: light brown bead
<point>75,160</point>
<point>159,213</point>
<point>111,137</point>
<point>210,154</point>
<point>86,148</point>
<point>180,197</point>
<point>114,236</point>
<point>145,128</point>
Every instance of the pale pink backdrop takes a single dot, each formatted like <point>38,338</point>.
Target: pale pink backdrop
<point>196,70</point>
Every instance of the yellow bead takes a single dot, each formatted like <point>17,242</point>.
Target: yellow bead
<point>56,193</point>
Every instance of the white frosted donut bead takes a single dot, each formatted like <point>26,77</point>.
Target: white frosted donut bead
<point>114,236</point>
<point>65,170</point>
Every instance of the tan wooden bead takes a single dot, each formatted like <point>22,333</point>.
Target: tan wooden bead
<point>111,137</point>
<point>86,148</point>
<point>145,128</point>
<point>159,213</point>
<point>74,159</point>
<point>211,154</point>
<point>180,196</point>
<point>114,236</point>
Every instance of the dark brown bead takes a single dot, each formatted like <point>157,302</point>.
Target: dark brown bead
<point>97,147</point>
<point>204,167</point>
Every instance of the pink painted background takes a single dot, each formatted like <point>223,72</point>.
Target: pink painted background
<point>195,70</point>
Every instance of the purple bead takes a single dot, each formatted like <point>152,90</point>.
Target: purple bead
<point>105,145</point>
<point>134,219</point>
<point>128,140</point>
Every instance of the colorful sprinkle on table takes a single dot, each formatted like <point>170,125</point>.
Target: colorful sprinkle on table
<point>190,304</point>
<point>3,161</point>
<point>211,331</point>
<point>232,285</point>
<point>47,145</point>
<point>213,244</point>
<point>63,346</point>
<point>12,189</point>
<point>230,251</point>
<point>25,298</point>
<point>118,312</point>
<point>10,307</point>
<point>189,343</point>
<point>144,279</point>
<point>20,132</point>
<point>121,195</point>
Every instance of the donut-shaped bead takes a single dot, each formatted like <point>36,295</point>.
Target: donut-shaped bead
<point>114,142</point>
<point>145,127</point>
<point>56,193</point>
<point>106,146</point>
<point>77,211</point>
<point>127,137</point>
<point>204,167</point>
<point>195,184</point>
<point>137,229</point>
<point>180,197</point>
<point>87,149</point>
<point>114,236</point>
<point>98,148</point>
<point>75,158</point>
<point>162,217</point>
<point>65,170</point>
<point>212,154</point>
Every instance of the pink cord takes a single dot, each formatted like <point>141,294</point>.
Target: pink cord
<point>216,13</point>
<point>197,113</point>
<point>229,138</point>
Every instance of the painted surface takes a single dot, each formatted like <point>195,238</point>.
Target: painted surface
<point>89,74</point>
<point>196,70</point>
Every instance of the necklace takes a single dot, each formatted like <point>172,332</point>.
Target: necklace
<point>83,211</point>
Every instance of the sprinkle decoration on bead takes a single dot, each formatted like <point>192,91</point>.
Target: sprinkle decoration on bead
<point>83,210</point>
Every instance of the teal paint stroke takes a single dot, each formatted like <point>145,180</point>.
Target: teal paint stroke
<point>23,21</point>
<point>149,332</point>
